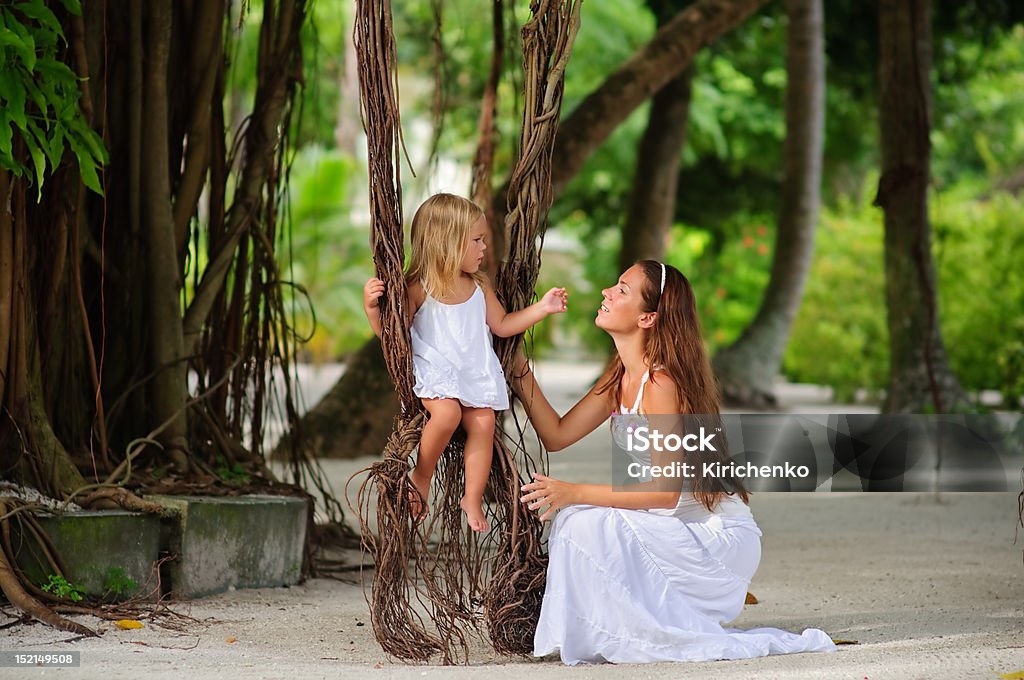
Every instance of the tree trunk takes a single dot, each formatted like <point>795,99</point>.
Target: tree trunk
<point>920,379</point>
<point>481,188</point>
<point>347,128</point>
<point>166,342</point>
<point>653,202</point>
<point>746,369</point>
<point>357,416</point>
<point>29,450</point>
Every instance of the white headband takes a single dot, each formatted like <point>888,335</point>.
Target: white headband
<point>662,279</point>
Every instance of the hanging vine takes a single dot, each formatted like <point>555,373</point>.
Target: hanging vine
<point>450,582</point>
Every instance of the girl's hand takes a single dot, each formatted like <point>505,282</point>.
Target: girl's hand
<point>554,301</point>
<point>372,291</point>
<point>550,492</point>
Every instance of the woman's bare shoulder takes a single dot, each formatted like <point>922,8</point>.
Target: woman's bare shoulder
<point>661,394</point>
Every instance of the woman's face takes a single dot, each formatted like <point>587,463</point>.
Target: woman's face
<point>622,304</point>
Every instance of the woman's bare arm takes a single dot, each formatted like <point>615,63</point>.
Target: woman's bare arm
<point>557,432</point>
<point>659,398</point>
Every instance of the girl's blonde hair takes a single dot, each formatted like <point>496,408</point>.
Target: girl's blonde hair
<point>440,230</point>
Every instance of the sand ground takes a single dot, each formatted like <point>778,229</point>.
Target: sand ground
<point>930,586</point>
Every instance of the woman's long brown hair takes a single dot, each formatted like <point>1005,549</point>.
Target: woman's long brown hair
<point>674,346</point>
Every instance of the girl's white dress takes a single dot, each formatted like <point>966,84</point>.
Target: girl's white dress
<point>639,586</point>
<point>452,354</point>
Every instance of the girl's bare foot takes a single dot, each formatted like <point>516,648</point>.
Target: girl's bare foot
<point>474,513</point>
<point>419,495</point>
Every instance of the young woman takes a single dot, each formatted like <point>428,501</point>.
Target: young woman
<point>647,575</point>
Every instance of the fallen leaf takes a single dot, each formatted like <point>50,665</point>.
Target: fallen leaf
<point>128,624</point>
<point>750,599</point>
<point>1018,675</point>
<point>231,640</point>
<point>845,642</point>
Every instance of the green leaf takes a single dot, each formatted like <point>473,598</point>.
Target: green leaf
<point>57,70</point>
<point>46,143</point>
<point>86,165</point>
<point>5,133</point>
<point>29,53</point>
<point>41,13</point>
<point>73,6</point>
<point>9,38</point>
<point>38,96</point>
<point>56,146</point>
<point>12,90</point>
<point>39,161</point>
<point>20,38</point>
<point>94,143</point>
<point>24,45</point>
<point>20,29</point>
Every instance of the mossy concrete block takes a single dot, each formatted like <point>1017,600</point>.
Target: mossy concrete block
<point>222,542</point>
<point>107,553</point>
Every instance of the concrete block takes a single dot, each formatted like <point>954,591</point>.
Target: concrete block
<point>220,542</point>
<point>107,553</point>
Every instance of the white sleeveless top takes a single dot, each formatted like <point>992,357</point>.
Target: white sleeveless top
<point>688,508</point>
<point>452,354</point>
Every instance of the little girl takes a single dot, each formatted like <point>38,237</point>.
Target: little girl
<point>458,375</point>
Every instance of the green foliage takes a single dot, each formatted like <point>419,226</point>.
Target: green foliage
<point>59,586</point>
<point>232,473</point>
<point>728,277</point>
<point>979,248</point>
<point>840,336</point>
<point>736,114</point>
<point>116,581</point>
<point>729,185</point>
<point>979,121</point>
<point>39,97</point>
<point>330,254</point>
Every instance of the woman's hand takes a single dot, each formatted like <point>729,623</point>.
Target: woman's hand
<point>545,491</point>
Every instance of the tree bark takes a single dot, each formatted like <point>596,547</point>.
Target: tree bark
<point>6,274</point>
<point>357,416</point>
<point>653,201</point>
<point>166,343</point>
<point>207,23</point>
<point>746,369</point>
<point>481,187</point>
<point>347,128</point>
<point>276,68</point>
<point>920,378</point>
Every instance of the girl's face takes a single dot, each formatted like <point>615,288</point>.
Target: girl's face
<point>621,304</point>
<point>473,253</point>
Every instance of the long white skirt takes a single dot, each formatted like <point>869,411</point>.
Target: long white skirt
<point>628,586</point>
